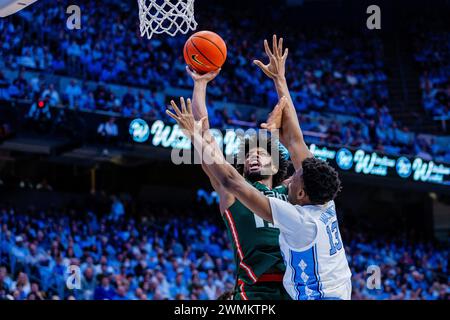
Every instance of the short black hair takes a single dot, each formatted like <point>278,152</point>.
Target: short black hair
<point>265,142</point>
<point>321,181</point>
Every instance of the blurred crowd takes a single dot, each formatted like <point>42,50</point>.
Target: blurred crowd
<point>337,78</point>
<point>176,257</point>
<point>118,257</point>
<point>410,270</point>
<point>433,56</point>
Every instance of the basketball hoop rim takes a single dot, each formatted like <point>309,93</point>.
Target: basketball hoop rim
<point>166,16</point>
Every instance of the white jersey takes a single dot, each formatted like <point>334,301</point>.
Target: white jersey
<point>312,249</point>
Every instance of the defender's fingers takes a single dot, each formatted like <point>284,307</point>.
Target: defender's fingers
<point>280,47</point>
<point>274,44</point>
<point>277,107</point>
<point>267,49</point>
<point>270,127</point>
<point>259,64</point>
<point>281,106</point>
<point>175,107</point>
<point>286,52</point>
<point>183,105</point>
<point>186,133</point>
<point>174,117</point>
<point>277,110</point>
<point>203,121</point>
<point>263,67</point>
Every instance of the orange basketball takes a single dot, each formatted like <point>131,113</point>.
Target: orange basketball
<point>205,51</point>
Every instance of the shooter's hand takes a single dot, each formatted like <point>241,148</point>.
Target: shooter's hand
<point>202,78</point>
<point>276,68</point>
<point>274,121</point>
<point>185,118</point>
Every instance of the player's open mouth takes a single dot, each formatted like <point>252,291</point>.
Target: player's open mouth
<point>254,165</point>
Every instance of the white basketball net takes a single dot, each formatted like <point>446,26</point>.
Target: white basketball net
<point>166,16</point>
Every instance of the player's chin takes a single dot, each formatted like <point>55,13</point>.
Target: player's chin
<point>255,175</point>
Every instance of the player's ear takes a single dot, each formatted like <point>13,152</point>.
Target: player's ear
<point>274,169</point>
<point>302,196</point>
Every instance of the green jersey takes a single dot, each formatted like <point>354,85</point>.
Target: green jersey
<point>255,241</point>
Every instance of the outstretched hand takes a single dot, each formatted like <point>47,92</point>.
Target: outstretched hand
<point>205,78</point>
<point>274,121</point>
<point>276,68</point>
<point>185,118</point>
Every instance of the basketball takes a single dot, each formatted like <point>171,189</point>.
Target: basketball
<point>205,51</point>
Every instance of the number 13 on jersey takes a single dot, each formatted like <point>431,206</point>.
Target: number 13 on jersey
<point>334,237</point>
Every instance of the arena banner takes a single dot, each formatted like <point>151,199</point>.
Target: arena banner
<point>358,161</point>
<point>376,164</point>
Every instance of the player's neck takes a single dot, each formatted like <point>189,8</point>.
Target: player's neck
<point>267,182</point>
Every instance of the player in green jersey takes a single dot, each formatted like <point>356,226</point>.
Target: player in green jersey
<point>259,263</point>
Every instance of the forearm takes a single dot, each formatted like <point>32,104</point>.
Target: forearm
<point>199,102</point>
<point>213,160</point>
<point>199,110</point>
<point>291,133</point>
<point>282,89</point>
<point>290,125</point>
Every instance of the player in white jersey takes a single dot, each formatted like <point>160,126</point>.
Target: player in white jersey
<point>316,265</point>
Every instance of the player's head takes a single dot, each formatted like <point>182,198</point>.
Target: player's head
<point>316,182</point>
<point>256,162</point>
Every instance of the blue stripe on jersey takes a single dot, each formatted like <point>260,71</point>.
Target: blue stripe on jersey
<point>297,295</point>
<point>306,281</point>
<point>316,271</point>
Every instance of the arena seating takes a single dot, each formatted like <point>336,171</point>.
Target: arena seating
<point>168,255</point>
<point>337,78</point>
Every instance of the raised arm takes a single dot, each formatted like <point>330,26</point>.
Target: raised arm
<point>214,161</point>
<point>199,108</point>
<point>200,111</point>
<point>291,135</point>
